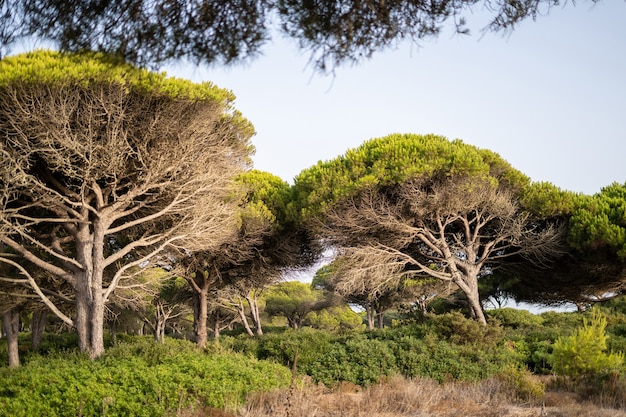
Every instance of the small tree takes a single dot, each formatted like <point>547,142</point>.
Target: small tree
<point>294,300</point>
<point>583,355</point>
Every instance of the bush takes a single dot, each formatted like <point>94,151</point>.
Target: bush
<point>357,360</point>
<point>583,355</point>
<point>141,378</point>
<point>516,319</point>
<point>457,328</point>
<point>310,344</point>
<point>521,385</point>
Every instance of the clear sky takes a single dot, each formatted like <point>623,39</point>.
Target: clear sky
<point>549,97</point>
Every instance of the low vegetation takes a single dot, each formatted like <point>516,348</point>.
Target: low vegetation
<point>138,378</point>
<point>521,364</point>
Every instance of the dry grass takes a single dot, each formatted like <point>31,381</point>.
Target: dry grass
<point>399,397</point>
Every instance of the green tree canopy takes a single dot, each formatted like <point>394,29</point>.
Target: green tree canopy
<point>334,31</point>
<point>294,300</point>
<point>405,206</point>
<point>599,222</point>
<point>395,159</point>
<point>104,166</point>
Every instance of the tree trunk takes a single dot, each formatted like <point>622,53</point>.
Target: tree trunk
<point>201,325</point>
<point>39,324</point>
<point>90,315</point>
<point>200,287</point>
<point>241,309</point>
<point>469,286</point>
<point>381,319</point>
<point>11,324</point>
<point>89,292</point>
<point>254,311</point>
<point>370,316</point>
<point>216,329</point>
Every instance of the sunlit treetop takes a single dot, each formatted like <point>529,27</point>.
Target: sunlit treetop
<point>599,222</point>
<point>400,157</point>
<point>267,197</point>
<point>58,68</point>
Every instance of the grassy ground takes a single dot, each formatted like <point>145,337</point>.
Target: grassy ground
<point>399,397</point>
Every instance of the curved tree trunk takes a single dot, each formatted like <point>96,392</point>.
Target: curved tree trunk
<point>254,312</point>
<point>11,324</point>
<point>241,310</point>
<point>469,286</point>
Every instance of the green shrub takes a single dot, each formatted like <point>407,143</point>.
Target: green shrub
<point>138,378</point>
<point>516,319</point>
<point>583,355</point>
<point>310,344</point>
<point>457,328</point>
<point>357,360</point>
<point>522,385</point>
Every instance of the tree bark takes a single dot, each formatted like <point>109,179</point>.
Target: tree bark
<point>201,325</point>
<point>37,327</point>
<point>11,324</point>
<point>380,316</point>
<point>469,286</point>
<point>200,287</point>
<point>370,316</point>
<point>256,316</point>
<point>241,309</point>
<point>216,329</point>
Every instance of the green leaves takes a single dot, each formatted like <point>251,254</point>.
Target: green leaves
<point>395,159</point>
<point>584,354</point>
<point>600,221</point>
<point>56,68</point>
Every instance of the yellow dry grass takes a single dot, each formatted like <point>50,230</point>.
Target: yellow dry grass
<point>399,397</point>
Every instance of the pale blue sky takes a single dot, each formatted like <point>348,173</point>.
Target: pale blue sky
<point>550,97</point>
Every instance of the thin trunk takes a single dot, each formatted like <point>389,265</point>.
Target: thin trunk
<point>200,285</point>
<point>256,316</point>
<point>201,325</point>
<point>380,316</point>
<point>216,329</point>
<point>11,324</point>
<point>241,309</point>
<point>39,324</point>
<point>370,316</point>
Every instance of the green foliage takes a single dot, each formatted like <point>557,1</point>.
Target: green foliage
<point>544,199</point>
<point>335,318</point>
<point>140,378</point>
<point>458,329</point>
<point>267,196</point>
<point>583,355</point>
<point>515,318</point>
<point>359,360</point>
<point>600,221</point>
<point>308,344</point>
<point>394,159</point>
<point>522,384</point>
<point>293,300</point>
<point>58,68</point>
